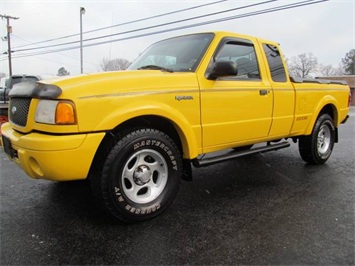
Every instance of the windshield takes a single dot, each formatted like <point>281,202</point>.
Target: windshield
<point>180,54</point>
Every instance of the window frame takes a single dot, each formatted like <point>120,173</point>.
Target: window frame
<point>272,70</point>
<point>236,41</point>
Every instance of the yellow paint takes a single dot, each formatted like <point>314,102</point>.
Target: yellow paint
<point>209,115</point>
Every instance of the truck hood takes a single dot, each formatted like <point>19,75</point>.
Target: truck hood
<point>108,83</point>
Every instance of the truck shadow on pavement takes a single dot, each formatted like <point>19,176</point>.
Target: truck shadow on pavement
<point>253,181</point>
<point>229,213</point>
<point>75,200</point>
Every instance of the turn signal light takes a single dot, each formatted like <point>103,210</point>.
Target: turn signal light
<point>65,113</point>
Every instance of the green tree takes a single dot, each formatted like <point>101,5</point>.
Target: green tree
<point>63,72</point>
<point>349,62</point>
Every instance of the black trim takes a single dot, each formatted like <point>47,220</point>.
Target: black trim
<point>62,134</point>
<point>319,81</point>
<point>37,90</point>
<point>232,40</point>
<point>344,121</point>
<point>206,161</point>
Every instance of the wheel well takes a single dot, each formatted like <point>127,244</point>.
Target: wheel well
<point>330,110</point>
<point>154,122</point>
<point>115,134</point>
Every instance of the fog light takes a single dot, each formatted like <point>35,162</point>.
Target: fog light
<point>35,167</point>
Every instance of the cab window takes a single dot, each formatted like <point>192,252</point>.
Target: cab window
<point>277,69</point>
<point>243,54</point>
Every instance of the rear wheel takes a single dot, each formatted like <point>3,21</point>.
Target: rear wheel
<point>141,175</point>
<point>317,147</point>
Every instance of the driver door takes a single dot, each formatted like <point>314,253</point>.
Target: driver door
<point>235,109</point>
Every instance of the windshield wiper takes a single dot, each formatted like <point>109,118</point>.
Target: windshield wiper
<point>154,67</point>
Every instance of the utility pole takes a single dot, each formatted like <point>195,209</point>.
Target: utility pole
<point>9,30</point>
<point>82,12</point>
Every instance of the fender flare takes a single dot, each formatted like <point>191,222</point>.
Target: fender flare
<point>326,100</point>
<point>188,137</point>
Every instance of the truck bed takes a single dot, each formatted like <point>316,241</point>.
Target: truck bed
<point>319,81</point>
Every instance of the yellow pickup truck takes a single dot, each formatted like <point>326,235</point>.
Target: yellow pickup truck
<point>135,134</point>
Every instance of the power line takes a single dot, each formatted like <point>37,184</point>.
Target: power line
<point>126,23</point>
<point>9,30</point>
<point>151,27</point>
<point>71,57</point>
<point>254,13</point>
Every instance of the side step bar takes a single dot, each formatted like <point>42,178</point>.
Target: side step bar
<point>200,162</point>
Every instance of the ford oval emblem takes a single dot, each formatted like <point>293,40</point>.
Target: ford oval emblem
<point>14,110</point>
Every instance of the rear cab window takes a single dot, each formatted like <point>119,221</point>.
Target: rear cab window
<point>275,63</point>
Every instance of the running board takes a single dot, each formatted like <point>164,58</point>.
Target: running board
<point>235,154</point>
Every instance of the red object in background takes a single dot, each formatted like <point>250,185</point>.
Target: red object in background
<point>3,119</point>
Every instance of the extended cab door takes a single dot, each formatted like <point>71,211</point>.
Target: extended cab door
<point>235,109</point>
<point>283,91</point>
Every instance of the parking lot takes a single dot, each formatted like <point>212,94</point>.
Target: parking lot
<point>263,209</point>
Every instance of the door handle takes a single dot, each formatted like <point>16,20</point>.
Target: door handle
<point>263,92</point>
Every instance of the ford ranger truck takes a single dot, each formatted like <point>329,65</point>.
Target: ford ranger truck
<point>135,134</point>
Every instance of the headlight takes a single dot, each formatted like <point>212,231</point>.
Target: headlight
<point>55,112</point>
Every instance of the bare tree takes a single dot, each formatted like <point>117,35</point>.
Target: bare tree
<point>302,65</point>
<point>339,71</point>
<point>330,71</point>
<point>327,70</point>
<point>114,64</point>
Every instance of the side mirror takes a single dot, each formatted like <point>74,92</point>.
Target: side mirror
<point>223,69</point>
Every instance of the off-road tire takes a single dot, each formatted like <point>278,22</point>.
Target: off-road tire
<point>317,147</point>
<point>141,175</point>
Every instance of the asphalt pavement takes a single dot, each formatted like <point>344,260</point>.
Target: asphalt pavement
<point>261,209</point>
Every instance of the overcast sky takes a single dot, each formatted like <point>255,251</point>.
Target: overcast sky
<point>326,29</point>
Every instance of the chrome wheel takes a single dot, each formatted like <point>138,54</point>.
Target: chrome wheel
<point>323,140</point>
<point>141,175</point>
<point>144,176</point>
<point>317,147</point>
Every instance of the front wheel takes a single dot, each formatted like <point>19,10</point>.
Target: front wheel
<point>141,175</point>
<point>317,147</point>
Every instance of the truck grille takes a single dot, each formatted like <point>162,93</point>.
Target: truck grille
<point>18,110</point>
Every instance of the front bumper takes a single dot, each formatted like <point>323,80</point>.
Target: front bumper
<point>52,157</point>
